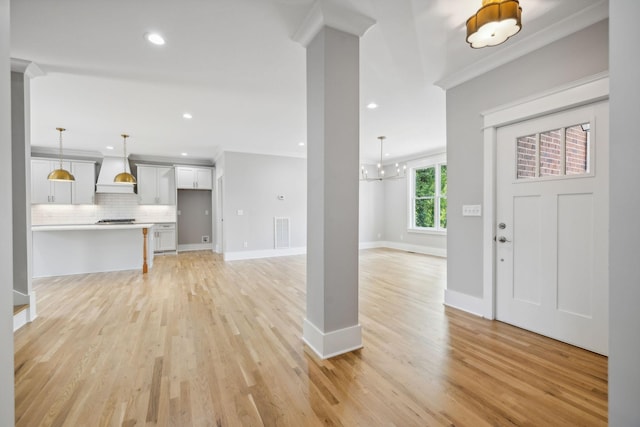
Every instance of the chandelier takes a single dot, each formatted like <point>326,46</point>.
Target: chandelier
<point>494,23</point>
<point>400,171</point>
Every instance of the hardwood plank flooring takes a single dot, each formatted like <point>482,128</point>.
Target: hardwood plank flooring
<point>201,342</point>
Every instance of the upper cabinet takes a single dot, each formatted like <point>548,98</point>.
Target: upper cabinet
<point>194,178</point>
<point>83,191</point>
<point>80,191</point>
<point>156,185</point>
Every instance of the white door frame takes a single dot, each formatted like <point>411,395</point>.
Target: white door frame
<point>581,92</point>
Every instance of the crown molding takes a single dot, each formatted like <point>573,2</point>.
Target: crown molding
<point>160,160</point>
<point>518,48</point>
<point>28,68</point>
<point>330,13</point>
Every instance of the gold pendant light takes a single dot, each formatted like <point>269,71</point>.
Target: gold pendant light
<point>60,174</point>
<point>494,23</point>
<point>124,177</point>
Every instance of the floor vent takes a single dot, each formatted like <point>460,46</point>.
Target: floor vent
<point>282,232</point>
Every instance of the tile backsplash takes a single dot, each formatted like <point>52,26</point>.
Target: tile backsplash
<point>108,206</point>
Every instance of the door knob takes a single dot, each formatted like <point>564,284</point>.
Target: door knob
<point>503,239</point>
<point>502,226</point>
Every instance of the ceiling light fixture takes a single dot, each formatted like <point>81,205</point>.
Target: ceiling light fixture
<point>301,144</point>
<point>60,174</point>
<point>400,171</point>
<point>372,105</point>
<point>109,147</point>
<point>187,116</point>
<point>184,154</point>
<point>154,38</point>
<point>124,177</point>
<point>494,23</point>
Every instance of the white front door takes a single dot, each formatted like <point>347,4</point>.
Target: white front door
<point>551,228</point>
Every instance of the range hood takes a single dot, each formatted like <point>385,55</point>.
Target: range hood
<point>112,166</point>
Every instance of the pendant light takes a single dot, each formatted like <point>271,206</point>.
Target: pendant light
<point>124,177</point>
<point>400,171</point>
<point>494,23</point>
<point>60,174</point>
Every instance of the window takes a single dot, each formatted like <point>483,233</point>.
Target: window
<point>554,153</point>
<point>428,198</point>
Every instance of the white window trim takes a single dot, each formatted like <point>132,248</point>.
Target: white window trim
<point>431,161</point>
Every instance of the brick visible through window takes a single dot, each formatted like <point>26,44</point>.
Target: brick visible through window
<point>527,157</point>
<point>551,153</point>
<point>576,142</point>
<point>546,154</point>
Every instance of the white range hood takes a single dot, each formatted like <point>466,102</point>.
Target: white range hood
<point>112,166</point>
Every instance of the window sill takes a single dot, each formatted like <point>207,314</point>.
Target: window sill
<point>427,231</point>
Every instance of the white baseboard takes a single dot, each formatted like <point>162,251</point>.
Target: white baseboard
<point>195,247</point>
<point>21,299</point>
<point>426,250</point>
<point>20,319</point>
<point>464,302</point>
<point>265,253</point>
<point>334,343</point>
<point>270,253</point>
<point>371,245</point>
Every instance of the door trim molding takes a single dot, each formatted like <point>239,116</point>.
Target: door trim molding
<point>581,92</point>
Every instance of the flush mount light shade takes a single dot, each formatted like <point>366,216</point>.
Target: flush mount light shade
<point>494,23</point>
<point>60,174</point>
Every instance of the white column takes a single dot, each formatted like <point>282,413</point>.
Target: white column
<point>6,257</point>
<point>331,36</point>
<point>21,74</point>
<point>624,231</point>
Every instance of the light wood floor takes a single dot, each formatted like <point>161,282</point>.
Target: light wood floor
<point>199,342</point>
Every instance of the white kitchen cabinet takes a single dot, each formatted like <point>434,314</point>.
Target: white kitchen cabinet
<point>156,185</point>
<point>194,178</point>
<point>164,236</point>
<point>45,191</point>
<point>83,190</point>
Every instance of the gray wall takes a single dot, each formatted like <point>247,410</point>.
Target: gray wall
<point>624,278</point>
<point>579,55</point>
<point>196,216</point>
<point>252,183</point>
<point>21,173</point>
<point>371,211</point>
<point>384,213</point>
<point>6,245</point>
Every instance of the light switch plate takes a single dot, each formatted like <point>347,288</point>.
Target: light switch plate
<point>471,210</point>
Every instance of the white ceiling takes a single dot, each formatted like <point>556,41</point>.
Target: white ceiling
<point>233,65</point>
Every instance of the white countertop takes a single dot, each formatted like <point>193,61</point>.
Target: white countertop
<point>83,227</point>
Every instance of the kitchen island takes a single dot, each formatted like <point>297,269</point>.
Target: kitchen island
<point>60,250</point>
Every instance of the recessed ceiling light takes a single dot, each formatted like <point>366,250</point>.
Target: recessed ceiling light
<point>386,154</point>
<point>187,116</point>
<point>154,38</point>
<point>301,144</point>
<point>109,147</point>
<point>372,105</point>
<point>184,154</point>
